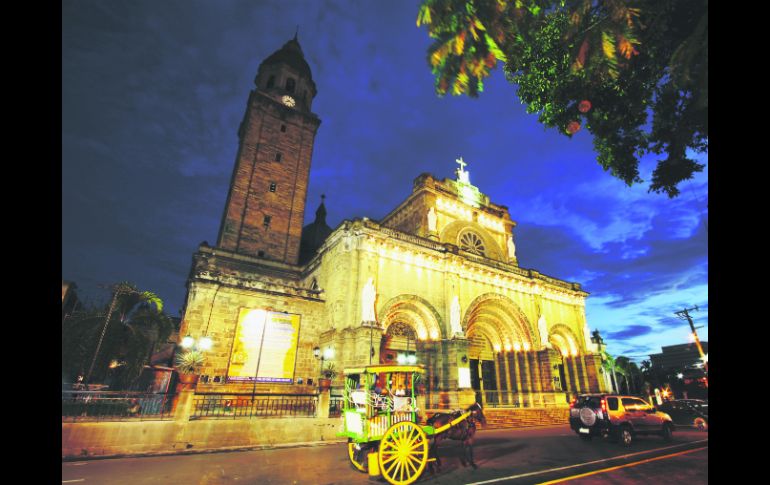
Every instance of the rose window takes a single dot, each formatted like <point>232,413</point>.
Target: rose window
<point>472,243</point>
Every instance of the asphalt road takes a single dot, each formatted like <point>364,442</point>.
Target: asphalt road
<point>521,456</point>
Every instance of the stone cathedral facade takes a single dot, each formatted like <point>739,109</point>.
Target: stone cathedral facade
<point>437,280</point>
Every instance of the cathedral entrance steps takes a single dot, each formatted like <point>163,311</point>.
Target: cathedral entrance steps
<point>499,418</point>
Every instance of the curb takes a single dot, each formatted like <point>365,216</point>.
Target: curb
<point>305,444</point>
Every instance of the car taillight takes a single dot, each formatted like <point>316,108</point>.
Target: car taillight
<point>572,403</point>
<point>604,406</point>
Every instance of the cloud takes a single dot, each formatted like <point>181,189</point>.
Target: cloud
<point>630,332</point>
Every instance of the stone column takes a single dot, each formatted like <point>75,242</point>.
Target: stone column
<point>508,377</point>
<point>585,373</point>
<point>183,407</point>
<point>538,377</point>
<point>546,370</point>
<point>324,399</point>
<point>517,369</point>
<point>577,376</point>
<point>528,374</point>
<point>568,383</point>
<point>497,379</point>
<point>452,396</point>
<point>481,384</point>
<point>368,335</point>
<point>594,376</point>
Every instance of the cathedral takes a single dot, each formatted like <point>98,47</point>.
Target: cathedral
<point>436,282</point>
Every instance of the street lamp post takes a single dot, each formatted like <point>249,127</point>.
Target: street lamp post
<point>597,339</point>
<point>327,354</point>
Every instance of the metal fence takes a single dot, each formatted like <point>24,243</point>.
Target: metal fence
<point>115,405</point>
<point>507,399</point>
<point>335,406</point>
<point>498,399</point>
<point>247,405</point>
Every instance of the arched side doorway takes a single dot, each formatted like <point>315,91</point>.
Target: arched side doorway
<point>399,344</point>
<point>412,332</point>
<point>569,368</point>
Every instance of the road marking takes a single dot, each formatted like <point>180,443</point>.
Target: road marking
<point>648,460</point>
<point>71,481</point>
<point>512,477</point>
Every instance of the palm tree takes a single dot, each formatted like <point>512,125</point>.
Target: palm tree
<point>608,362</point>
<point>136,327</point>
<point>623,365</point>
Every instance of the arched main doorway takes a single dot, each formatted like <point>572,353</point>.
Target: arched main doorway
<point>504,369</point>
<point>485,374</point>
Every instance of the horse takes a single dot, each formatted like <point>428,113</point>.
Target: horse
<point>462,431</point>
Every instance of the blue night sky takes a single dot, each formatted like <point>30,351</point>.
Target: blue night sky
<point>153,93</point>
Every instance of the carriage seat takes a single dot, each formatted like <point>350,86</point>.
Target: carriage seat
<point>359,399</point>
<point>403,403</point>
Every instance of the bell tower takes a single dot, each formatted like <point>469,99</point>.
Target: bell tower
<point>265,206</point>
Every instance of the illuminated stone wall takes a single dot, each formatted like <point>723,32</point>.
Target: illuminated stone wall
<point>454,212</point>
<point>222,283</point>
<point>416,279</point>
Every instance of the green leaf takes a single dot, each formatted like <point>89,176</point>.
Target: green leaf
<point>423,16</point>
<point>494,48</point>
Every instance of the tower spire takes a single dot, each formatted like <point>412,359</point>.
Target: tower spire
<point>296,33</point>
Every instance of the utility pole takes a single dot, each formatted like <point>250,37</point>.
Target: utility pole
<point>684,314</point>
<point>101,337</point>
<point>117,290</point>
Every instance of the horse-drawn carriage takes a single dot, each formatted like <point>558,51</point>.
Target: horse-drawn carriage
<point>380,415</point>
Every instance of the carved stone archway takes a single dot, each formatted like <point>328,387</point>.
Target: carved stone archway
<point>501,316</point>
<point>415,311</point>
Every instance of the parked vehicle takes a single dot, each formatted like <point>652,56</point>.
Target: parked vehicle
<point>620,418</point>
<point>688,412</point>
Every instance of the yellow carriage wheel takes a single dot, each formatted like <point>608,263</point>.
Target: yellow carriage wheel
<point>403,453</point>
<point>358,465</point>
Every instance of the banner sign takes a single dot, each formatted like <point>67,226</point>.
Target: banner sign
<point>265,347</point>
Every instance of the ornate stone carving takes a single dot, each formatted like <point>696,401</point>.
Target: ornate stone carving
<point>454,317</point>
<point>432,220</point>
<point>542,327</point>
<point>368,295</point>
<point>511,249</point>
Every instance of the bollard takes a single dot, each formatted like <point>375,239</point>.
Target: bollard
<point>374,466</point>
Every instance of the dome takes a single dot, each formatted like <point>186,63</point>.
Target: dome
<point>314,235</point>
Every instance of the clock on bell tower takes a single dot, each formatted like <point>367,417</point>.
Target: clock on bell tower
<point>265,206</point>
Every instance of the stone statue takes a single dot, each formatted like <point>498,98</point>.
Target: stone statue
<point>432,220</point>
<point>587,335</point>
<point>454,316</point>
<point>368,294</point>
<point>542,327</point>
<point>511,249</point>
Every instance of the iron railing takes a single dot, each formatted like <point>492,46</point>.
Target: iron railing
<point>497,399</point>
<point>115,405</point>
<point>247,405</point>
<point>508,399</point>
<point>335,406</point>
